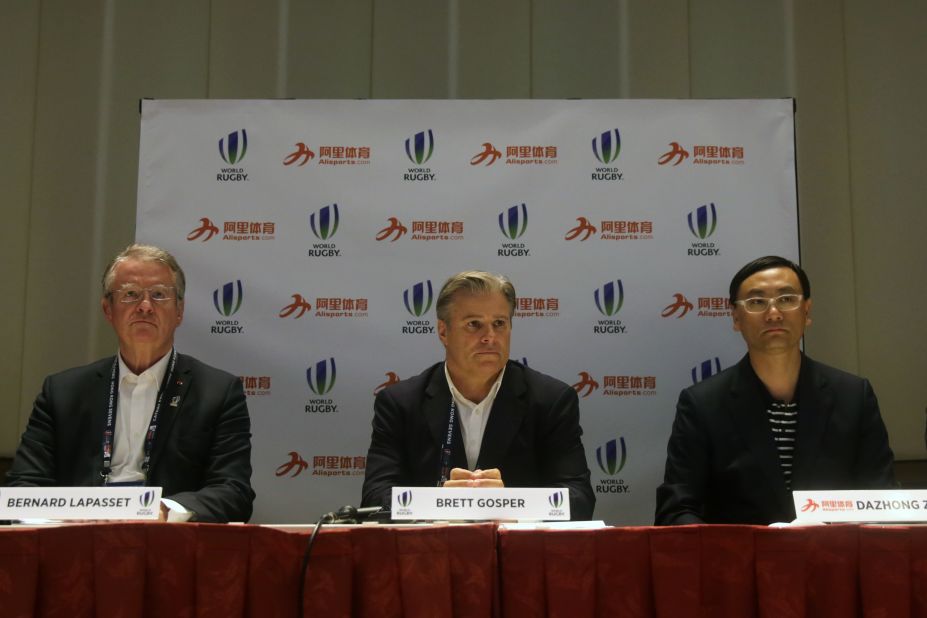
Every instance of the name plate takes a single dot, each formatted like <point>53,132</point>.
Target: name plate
<point>882,505</point>
<point>481,503</point>
<point>80,502</point>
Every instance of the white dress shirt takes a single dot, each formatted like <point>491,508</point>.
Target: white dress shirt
<point>472,417</point>
<point>137,397</point>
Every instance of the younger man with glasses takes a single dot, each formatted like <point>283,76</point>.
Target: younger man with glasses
<point>147,416</point>
<point>777,421</point>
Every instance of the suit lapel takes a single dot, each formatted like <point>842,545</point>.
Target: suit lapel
<point>508,412</point>
<point>436,409</point>
<point>747,409</point>
<point>172,405</point>
<point>815,404</point>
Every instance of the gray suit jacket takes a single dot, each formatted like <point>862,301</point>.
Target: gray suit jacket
<point>201,455</point>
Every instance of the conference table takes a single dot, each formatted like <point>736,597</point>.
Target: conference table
<point>479,570</point>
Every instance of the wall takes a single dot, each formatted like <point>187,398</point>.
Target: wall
<point>74,70</point>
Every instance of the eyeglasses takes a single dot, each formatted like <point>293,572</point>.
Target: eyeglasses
<point>133,294</point>
<point>786,302</point>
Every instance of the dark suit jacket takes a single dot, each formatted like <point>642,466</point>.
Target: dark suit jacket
<point>201,455</point>
<point>532,436</point>
<point>721,462</point>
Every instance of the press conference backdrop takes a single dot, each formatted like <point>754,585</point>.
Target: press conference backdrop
<point>315,236</point>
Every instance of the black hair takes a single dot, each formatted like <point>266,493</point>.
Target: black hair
<point>765,263</point>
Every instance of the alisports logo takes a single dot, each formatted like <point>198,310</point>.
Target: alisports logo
<point>321,377</point>
<point>294,467</point>
<point>586,383</point>
<point>675,155</point>
<point>420,147</point>
<point>487,156</point>
<point>583,228</point>
<point>514,221</point>
<point>679,307</point>
<point>227,299</point>
<point>146,499</point>
<point>391,378</point>
<point>610,298</point>
<point>206,228</point>
<point>418,298</point>
<point>612,456</point>
<point>706,369</point>
<point>607,146</point>
<point>234,146</point>
<point>394,231</point>
<point>703,221</point>
<point>297,308</point>
<point>302,154</point>
<point>324,222</point>
<point>404,499</point>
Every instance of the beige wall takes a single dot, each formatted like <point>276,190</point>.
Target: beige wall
<point>73,71</point>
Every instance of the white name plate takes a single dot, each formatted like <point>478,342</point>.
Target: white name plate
<point>134,502</point>
<point>883,505</point>
<point>481,503</point>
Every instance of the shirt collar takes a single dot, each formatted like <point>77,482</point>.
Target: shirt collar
<point>156,371</point>
<point>460,399</point>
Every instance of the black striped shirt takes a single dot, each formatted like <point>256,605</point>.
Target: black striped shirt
<point>783,421</point>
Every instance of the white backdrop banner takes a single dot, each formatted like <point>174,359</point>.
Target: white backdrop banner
<point>315,236</point>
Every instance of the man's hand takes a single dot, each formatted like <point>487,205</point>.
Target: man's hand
<point>461,477</point>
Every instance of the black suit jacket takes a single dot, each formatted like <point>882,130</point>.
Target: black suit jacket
<point>532,436</point>
<point>201,454</point>
<point>722,465</point>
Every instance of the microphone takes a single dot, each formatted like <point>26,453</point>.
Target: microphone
<point>351,515</point>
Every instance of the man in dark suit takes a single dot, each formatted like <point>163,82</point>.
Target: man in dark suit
<point>147,416</point>
<point>775,422</point>
<point>509,425</point>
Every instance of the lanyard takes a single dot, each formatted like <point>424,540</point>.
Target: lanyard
<point>110,427</point>
<point>448,439</point>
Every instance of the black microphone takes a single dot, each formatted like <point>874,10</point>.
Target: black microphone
<point>351,515</point>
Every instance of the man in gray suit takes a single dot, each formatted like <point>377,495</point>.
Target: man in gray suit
<point>148,415</point>
<point>775,422</point>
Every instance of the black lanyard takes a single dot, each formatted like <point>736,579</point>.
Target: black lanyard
<point>448,441</point>
<point>110,428</point>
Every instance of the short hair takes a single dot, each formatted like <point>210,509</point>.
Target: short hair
<point>765,263</point>
<point>145,253</point>
<point>473,282</point>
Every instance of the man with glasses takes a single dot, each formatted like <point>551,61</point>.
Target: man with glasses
<point>775,422</point>
<point>148,415</point>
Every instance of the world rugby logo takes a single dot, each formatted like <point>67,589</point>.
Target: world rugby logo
<point>227,299</point>
<point>232,148</point>
<point>514,221</point>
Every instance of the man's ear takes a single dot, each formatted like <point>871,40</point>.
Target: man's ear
<point>107,309</point>
<point>442,332</point>
<point>735,318</point>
